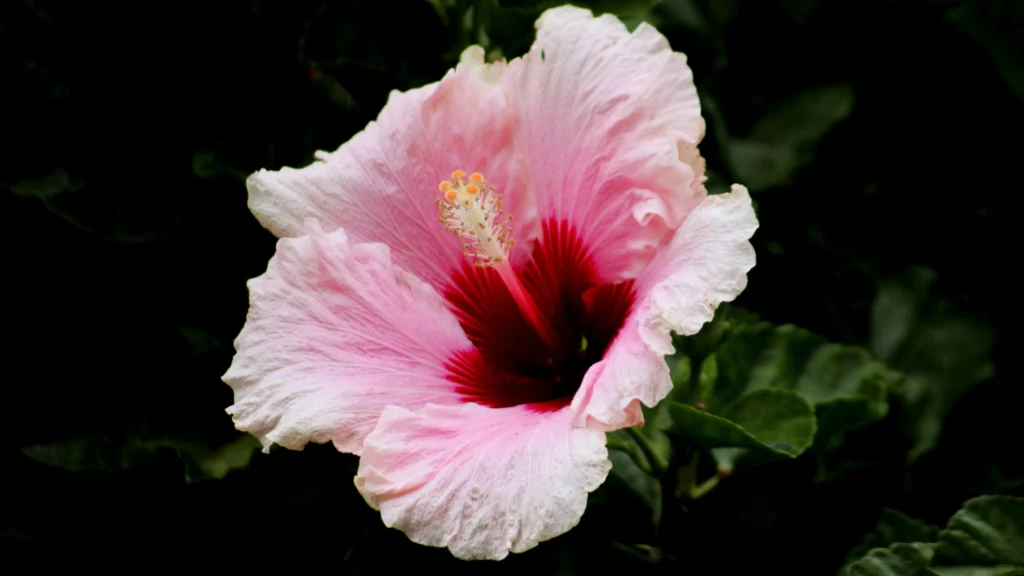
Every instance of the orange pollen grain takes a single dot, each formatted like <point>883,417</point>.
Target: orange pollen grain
<point>450,195</point>
<point>472,189</point>
<point>444,186</point>
<point>458,175</point>
<point>476,177</point>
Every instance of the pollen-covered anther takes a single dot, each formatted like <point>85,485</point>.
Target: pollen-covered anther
<point>473,211</point>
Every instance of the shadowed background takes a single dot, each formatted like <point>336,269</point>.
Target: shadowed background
<point>879,140</point>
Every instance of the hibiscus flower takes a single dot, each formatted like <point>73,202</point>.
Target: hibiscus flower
<point>473,290</point>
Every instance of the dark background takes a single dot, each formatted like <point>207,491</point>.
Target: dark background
<point>130,130</point>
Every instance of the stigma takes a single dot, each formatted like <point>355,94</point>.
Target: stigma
<point>472,210</point>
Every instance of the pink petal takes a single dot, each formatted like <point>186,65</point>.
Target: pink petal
<point>630,373</point>
<point>705,263</point>
<point>481,481</point>
<point>382,185</point>
<point>608,122</point>
<point>335,333</point>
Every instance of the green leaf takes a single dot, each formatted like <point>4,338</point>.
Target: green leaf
<point>682,375</point>
<point>978,571</point>
<point>893,528</point>
<point>91,453</point>
<point>639,483</point>
<point>332,91</point>
<point>621,8</point>
<point>656,421</point>
<point>800,10</point>
<point>985,538</point>
<point>94,453</point>
<point>773,423</point>
<point>740,354</point>
<point>723,11</point>
<point>806,117</point>
<point>996,26</point>
<point>764,165</point>
<point>687,14</point>
<point>100,211</point>
<point>638,480</point>
<point>232,456</point>
<point>199,342</point>
<point>204,463</point>
<point>895,310</point>
<point>706,380</point>
<point>46,186</point>
<point>727,320</point>
<point>210,164</point>
<point>783,141</point>
<point>630,12</point>
<point>942,353</point>
<point>899,559</point>
<point>442,7</point>
<point>987,531</point>
<point>846,385</point>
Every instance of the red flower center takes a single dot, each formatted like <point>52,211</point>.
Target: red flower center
<point>512,364</point>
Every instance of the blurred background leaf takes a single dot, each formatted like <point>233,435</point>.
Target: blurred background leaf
<point>985,537</point>
<point>90,453</point>
<point>899,559</point>
<point>203,462</point>
<point>987,532</point>
<point>784,139</point>
<point>995,25</point>
<point>894,527</point>
<point>942,353</point>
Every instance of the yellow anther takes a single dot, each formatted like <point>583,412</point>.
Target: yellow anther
<point>473,211</point>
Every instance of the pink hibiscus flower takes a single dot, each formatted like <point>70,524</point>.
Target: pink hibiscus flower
<point>473,335</point>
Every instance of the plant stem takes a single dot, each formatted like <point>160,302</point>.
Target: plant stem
<point>688,477</point>
<point>632,450</point>
<point>688,486</point>
<point>633,551</point>
<point>707,486</point>
<point>658,464</point>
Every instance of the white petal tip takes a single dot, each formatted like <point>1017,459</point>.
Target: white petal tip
<point>472,56</point>
<point>739,190</point>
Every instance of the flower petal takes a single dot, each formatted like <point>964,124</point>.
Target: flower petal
<point>382,185</point>
<point>481,481</point>
<point>608,122</point>
<point>705,263</point>
<point>336,332</point>
<point>610,395</point>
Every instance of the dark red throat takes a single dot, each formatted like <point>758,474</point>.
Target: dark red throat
<point>511,364</point>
